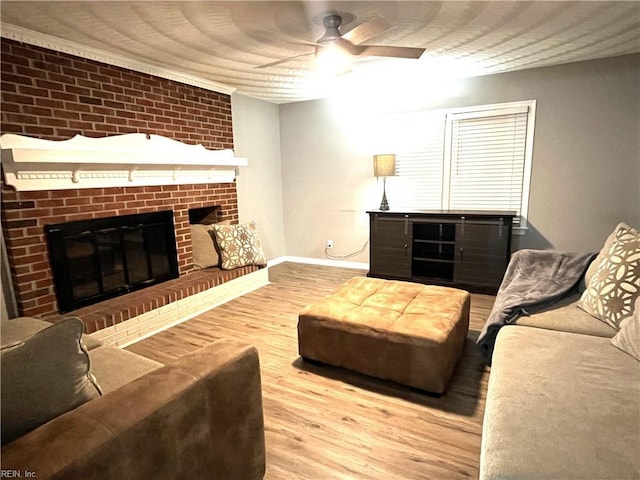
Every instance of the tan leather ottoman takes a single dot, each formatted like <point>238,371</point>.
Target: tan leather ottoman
<point>406,332</point>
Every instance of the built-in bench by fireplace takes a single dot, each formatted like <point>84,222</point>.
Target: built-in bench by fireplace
<point>93,260</point>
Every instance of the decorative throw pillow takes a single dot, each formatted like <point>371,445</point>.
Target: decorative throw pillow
<point>615,285</point>
<point>203,245</point>
<point>605,249</point>
<point>628,338</point>
<point>43,377</point>
<point>239,245</point>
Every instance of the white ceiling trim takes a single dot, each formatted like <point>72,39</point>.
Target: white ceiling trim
<point>51,42</point>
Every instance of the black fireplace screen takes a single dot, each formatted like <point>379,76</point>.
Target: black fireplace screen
<point>93,260</point>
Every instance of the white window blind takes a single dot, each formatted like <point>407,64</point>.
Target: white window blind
<point>419,166</point>
<point>472,158</point>
<point>487,160</point>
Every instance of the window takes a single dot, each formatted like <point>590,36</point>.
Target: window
<point>477,158</point>
<point>419,160</point>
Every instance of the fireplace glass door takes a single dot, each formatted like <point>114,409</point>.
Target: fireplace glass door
<point>98,259</point>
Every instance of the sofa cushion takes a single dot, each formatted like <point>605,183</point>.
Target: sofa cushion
<point>91,342</point>
<point>114,367</point>
<point>239,245</point>
<point>615,285</point>
<point>628,338</point>
<point>19,329</point>
<point>43,377</point>
<point>560,405</point>
<point>565,316</point>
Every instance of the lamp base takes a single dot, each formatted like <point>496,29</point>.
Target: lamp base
<point>384,205</point>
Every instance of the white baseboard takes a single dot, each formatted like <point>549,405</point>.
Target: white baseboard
<point>319,261</point>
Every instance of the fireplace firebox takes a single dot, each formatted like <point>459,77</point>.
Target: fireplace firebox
<point>93,260</point>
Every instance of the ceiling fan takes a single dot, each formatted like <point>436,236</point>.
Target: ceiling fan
<point>351,42</point>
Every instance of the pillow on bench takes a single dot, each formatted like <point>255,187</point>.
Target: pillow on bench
<point>204,250</point>
<point>239,245</point>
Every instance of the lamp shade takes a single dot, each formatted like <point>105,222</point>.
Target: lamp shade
<point>384,165</point>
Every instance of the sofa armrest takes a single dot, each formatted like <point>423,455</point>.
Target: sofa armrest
<point>198,417</point>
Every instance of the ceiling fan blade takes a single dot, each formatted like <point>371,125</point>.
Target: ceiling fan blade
<point>284,60</point>
<point>367,30</point>
<point>306,44</point>
<point>346,45</point>
<point>389,51</point>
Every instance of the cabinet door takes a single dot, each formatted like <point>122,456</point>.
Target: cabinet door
<point>390,248</point>
<point>481,253</point>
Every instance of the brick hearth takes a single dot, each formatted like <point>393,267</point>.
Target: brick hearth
<point>117,311</point>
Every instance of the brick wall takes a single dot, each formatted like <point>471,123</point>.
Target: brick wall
<point>53,95</point>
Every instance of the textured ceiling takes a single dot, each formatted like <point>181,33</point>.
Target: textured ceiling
<point>223,42</point>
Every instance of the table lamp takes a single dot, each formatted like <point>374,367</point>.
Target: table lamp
<point>384,166</point>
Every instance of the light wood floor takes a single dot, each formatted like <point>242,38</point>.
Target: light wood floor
<point>323,422</point>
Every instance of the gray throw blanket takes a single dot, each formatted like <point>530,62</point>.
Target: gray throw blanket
<point>534,280</point>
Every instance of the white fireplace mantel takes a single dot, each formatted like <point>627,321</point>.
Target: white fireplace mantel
<point>134,159</point>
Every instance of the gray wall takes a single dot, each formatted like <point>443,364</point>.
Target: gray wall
<point>586,159</point>
<point>256,135</point>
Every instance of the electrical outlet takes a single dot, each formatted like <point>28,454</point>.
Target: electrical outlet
<point>329,243</point>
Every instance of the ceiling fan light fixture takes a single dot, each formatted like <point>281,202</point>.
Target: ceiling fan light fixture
<point>332,60</point>
<point>334,50</point>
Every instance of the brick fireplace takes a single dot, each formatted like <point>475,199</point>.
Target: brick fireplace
<point>54,96</point>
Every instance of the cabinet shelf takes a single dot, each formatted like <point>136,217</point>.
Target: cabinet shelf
<point>437,260</point>
<point>428,280</point>
<point>441,242</point>
<point>435,269</point>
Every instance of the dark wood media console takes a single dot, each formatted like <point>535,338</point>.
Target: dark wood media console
<point>469,250</point>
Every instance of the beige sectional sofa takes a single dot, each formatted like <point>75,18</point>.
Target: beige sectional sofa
<point>563,398</point>
<point>196,417</point>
